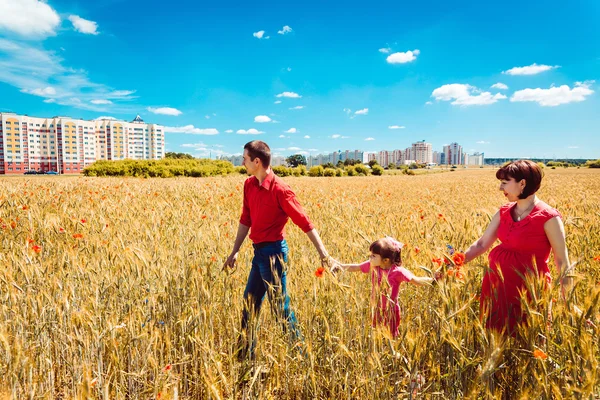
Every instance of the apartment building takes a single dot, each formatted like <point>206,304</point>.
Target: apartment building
<point>68,145</point>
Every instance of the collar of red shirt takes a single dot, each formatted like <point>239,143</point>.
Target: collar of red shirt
<point>267,182</point>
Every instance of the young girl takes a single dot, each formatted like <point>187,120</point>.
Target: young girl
<point>387,273</point>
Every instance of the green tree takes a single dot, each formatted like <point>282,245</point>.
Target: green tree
<point>295,160</point>
<point>180,156</point>
<point>372,163</point>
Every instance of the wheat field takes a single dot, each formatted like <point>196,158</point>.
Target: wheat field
<point>112,288</point>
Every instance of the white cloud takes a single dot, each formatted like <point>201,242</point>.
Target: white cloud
<point>190,129</point>
<point>465,95</point>
<point>336,136</point>
<point>369,139</point>
<point>33,70</point>
<point>291,130</point>
<point>260,35</point>
<point>105,117</point>
<point>28,18</point>
<point>402,58</point>
<point>101,101</point>
<point>45,92</point>
<point>396,127</point>
<point>229,131</point>
<point>532,69</point>
<point>306,137</point>
<point>262,119</point>
<point>573,147</point>
<point>347,111</point>
<point>385,50</point>
<point>165,111</point>
<point>428,103</point>
<point>483,142</point>
<point>296,108</point>
<point>500,86</point>
<point>84,25</point>
<point>364,111</point>
<point>250,131</point>
<point>555,96</point>
<point>207,116</point>
<point>282,136</point>
<point>294,148</point>
<point>289,69</point>
<point>277,101</point>
<point>286,29</point>
<point>120,94</point>
<point>290,95</point>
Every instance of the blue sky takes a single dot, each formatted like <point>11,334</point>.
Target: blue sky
<point>323,76</point>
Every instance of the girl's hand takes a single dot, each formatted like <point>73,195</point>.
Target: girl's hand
<point>334,265</point>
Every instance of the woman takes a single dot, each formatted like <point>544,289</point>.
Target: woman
<point>528,229</point>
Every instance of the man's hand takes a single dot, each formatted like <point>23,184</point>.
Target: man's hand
<point>334,265</point>
<point>231,261</point>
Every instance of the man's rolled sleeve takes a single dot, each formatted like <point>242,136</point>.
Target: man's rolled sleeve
<point>245,218</point>
<point>294,210</point>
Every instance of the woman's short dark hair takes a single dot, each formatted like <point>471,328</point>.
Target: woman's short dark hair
<point>523,169</point>
<point>387,249</point>
<point>258,148</point>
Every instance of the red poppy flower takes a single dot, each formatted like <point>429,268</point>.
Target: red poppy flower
<point>597,258</point>
<point>319,272</point>
<point>83,220</point>
<point>36,248</point>
<point>30,240</point>
<point>61,230</point>
<point>167,367</point>
<point>438,261</point>
<point>24,207</point>
<point>78,236</point>
<point>540,355</point>
<point>417,250</point>
<point>458,259</point>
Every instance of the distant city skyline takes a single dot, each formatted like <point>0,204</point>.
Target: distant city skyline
<point>315,77</point>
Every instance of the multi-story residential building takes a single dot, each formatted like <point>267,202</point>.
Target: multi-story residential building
<point>453,154</point>
<point>421,152</point>
<point>68,145</point>
<point>475,159</point>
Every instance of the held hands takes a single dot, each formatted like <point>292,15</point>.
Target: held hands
<point>334,265</point>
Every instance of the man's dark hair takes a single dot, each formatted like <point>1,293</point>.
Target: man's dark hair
<point>258,148</point>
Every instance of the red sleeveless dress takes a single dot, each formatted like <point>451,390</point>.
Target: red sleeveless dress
<point>524,250</point>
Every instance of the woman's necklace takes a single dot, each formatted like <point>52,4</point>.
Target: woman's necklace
<point>524,211</point>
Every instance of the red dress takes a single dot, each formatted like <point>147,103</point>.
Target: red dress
<point>525,249</point>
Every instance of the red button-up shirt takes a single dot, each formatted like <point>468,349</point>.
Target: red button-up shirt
<point>267,208</point>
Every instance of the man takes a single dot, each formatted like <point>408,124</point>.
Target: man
<point>268,203</point>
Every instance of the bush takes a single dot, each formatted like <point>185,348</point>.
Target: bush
<point>361,170</point>
<point>377,170</point>
<point>350,171</point>
<point>410,171</point>
<point>593,164</point>
<point>339,172</point>
<point>317,170</point>
<point>241,170</point>
<point>164,168</point>
<point>329,172</point>
<point>300,170</point>
<point>282,171</point>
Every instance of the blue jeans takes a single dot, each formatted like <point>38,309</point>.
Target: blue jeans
<point>267,276</point>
